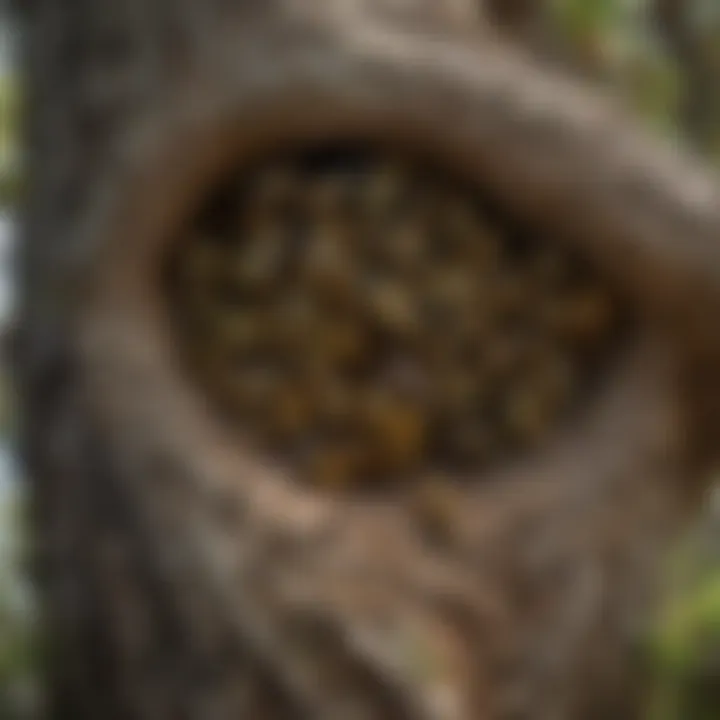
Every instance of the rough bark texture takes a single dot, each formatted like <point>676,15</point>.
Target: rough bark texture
<point>185,578</point>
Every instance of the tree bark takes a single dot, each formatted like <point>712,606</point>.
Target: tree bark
<point>183,577</point>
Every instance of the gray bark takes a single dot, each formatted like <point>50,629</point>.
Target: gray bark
<point>181,577</point>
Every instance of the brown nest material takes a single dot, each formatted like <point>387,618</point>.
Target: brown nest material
<point>368,318</point>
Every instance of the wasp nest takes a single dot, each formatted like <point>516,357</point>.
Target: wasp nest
<point>368,318</point>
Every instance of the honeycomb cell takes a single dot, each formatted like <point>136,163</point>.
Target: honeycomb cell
<point>366,318</point>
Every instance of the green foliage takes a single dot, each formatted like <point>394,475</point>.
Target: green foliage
<point>687,624</point>
<point>18,661</point>
<point>591,31</point>
<point>687,654</point>
<point>617,43</point>
<point>10,119</point>
<point>582,19</point>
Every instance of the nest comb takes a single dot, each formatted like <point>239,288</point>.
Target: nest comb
<point>368,319</point>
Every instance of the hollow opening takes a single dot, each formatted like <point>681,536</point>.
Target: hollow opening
<point>366,317</point>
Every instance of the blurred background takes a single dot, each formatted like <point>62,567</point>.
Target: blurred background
<point>662,59</point>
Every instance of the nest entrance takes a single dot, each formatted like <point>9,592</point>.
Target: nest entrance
<point>368,318</point>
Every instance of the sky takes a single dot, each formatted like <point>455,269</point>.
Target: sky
<point>6,275</point>
<point>6,303</point>
<point>8,471</point>
<point>7,45</point>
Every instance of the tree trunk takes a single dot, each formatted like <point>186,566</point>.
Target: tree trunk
<point>185,578</point>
